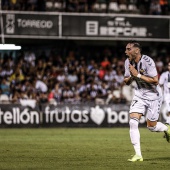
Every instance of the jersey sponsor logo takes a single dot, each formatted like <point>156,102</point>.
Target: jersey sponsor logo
<point>141,71</point>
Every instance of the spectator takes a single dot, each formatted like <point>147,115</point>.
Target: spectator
<point>105,63</point>
<point>39,85</point>
<point>82,6</point>
<point>32,5</point>
<point>72,78</point>
<point>144,6</point>
<point>119,79</point>
<point>5,86</point>
<point>155,8</point>
<point>15,97</point>
<point>30,58</point>
<point>164,6</point>
<point>61,77</point>
<point>67,94</point>
<point>109,78</point>
<point>17,75</point>
<point>42,98</point>
<point>72,5</point>
<point>55,95</point>
<point>159,64</point>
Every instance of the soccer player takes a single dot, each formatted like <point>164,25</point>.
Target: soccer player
<point>147,98</point>
<point>165,82</point>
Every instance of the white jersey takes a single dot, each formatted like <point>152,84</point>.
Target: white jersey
<point>144,90</point>
<point>164,81</point>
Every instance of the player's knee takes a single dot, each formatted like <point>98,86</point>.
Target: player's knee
<point>133,123</point>
<point>151,128</point>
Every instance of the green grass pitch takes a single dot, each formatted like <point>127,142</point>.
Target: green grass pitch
<point>80,149</point>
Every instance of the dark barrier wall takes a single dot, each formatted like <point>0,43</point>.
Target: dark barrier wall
<point>86,26</point>
<point>81,115</point>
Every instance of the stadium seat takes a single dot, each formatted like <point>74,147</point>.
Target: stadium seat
<point>113,7</point>
<point>123,7</point>
<point>58,6</point>
<point>103,7</point>
<point>96,7</point>
<point>49,5</point>
<point>132,8</point>
<point>4,98</point>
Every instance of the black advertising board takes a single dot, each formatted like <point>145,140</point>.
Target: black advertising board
<point>68,115</point>
<point>35,25</point>
<point>15,115</point>
<point>115,26</point>
<point>87,115</point>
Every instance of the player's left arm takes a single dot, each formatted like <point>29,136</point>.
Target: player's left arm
<point>152,80</point>
<point>135,73</point>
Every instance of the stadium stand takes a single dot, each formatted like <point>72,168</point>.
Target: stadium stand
<point>102,6</point>
<point>70,75</point>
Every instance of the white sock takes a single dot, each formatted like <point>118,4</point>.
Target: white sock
<point>135,135</point>
<point>160,127</point>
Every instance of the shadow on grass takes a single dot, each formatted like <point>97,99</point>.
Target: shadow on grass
<point>157,159</point>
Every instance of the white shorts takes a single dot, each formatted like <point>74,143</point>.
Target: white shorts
<point>149,107</point>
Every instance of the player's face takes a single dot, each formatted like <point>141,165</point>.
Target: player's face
<point>130,52</point>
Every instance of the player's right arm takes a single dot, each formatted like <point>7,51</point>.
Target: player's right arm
<point>128,80</point>
<point>127,76</point>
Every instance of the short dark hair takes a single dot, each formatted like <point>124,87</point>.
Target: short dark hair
<point>135,44</point>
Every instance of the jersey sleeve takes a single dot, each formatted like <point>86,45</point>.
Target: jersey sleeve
<point>151,68</point>
<point>127,72</point>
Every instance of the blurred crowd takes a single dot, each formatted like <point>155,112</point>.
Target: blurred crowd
<point>74,76</point>
<point>146,7</point>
